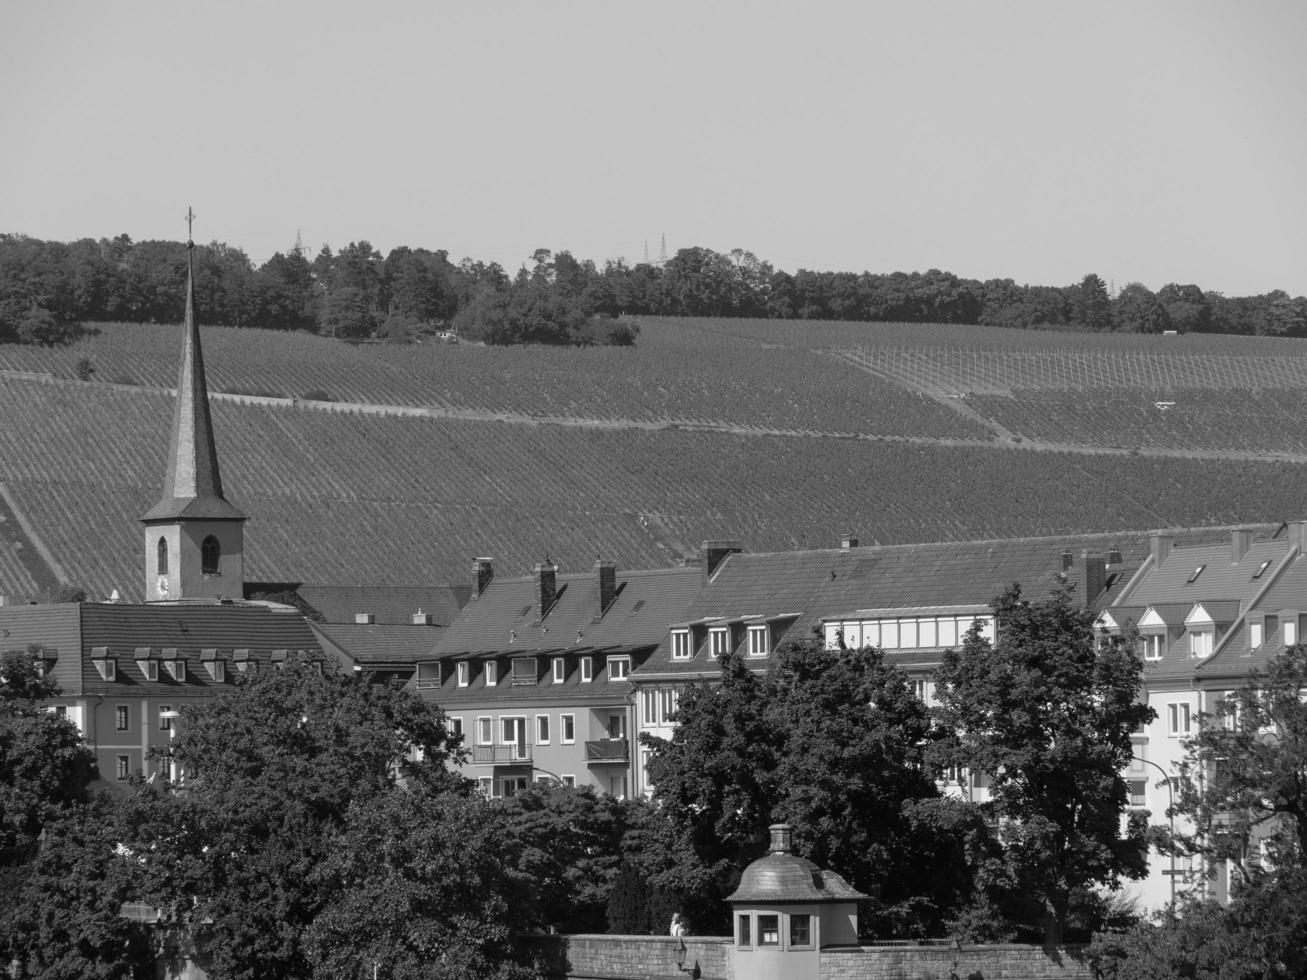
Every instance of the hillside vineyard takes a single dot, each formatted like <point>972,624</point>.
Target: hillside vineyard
<point>782,434</point>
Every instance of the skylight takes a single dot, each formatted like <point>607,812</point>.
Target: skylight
<point>1194,575</point>
<point>1262,568</point>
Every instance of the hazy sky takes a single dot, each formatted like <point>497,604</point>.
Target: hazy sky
<point>1151,141</point>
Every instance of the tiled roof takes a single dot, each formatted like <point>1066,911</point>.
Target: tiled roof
<point>505,617</point>
<point>1221,576</point>
<point>390,605</point>
<point>191,628</point>
<point>817,585</point>
<point>600,689</point>
<point>382,643</point>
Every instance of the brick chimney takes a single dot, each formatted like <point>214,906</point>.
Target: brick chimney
<point>546,574</point>
<point>781,837</point>
<point>606,580</point>
<point>1095,576</point>
<point>713,553</point>
<point>1241,540</point>
<point>483,573</point>
<point>1161,544</point>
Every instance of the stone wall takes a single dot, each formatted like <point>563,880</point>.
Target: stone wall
<point>654,958</point>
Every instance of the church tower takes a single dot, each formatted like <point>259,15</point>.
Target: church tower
<point>194,538</point>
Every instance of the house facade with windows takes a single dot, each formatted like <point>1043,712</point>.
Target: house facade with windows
<point>912,601</point>
<point>1206,616</point>
<point>535,673</point>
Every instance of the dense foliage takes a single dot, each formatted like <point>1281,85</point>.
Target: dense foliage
<point>1045,714</point>
<point>45,287</point>
<point>829,741</point>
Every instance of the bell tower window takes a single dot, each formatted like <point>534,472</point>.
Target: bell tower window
<point>210,553</point>
<point>163,556</point>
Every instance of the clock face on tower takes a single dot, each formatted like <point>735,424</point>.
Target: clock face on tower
<point>161,586</point>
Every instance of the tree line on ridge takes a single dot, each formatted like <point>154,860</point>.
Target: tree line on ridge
<point>47,288</point>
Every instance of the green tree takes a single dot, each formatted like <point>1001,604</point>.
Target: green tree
<point>830,741</point>
<point>1137,310</point>
<point>1045,713</point>
<point>1243,782</point>
<point>1093,307</point>
<point>275,772</point>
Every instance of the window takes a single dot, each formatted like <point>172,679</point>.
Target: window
<point>513,733</point>
<point>1138,793</point>
<point>61,711</point>
<point>120,718</point>
<point>176,669</point>
<point>1177,719</point>
<point>1255,634</point>
<point>719,641</point>
<point>680,644</point>
<point>463,671</point>
<point>1152,647</point>
<point>455,728</point>
<point>1193,576</point>
<point>542,729</point>
<point>217,670</point>
<point>669,699</point>
<point>485,731</point>
<point>569,729</point>
<point>617,786</point>
<point>800,930</point>
<point>758,645</point>
<point>149,669</point>
<point>1200,644</point>
<point>487,786</point>
<point>560,670</point>
<point>492,673</point>
<point>512,784</point>
<point>744,937</point>
<point>617,725</point>
<point>1261,569</point>
<point>163,556</point>
<point>619,668</point>
<point>210,555</point>
<point>1290,631</point>
<point>165,721</point>
<point>108,669</point>
<point>587,670</point>
<point>123,766</point>
<point>569,781</point>
<point>769,930</point>
<point>648,705</point>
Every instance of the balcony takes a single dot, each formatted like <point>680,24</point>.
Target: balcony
<point>608,750</point>
<point>501,755</point>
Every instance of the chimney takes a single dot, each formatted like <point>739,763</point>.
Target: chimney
<point>606,579</point>
<point>1095,576</point>
<point>781,834</point>
<point>848,541</point>
<point>482,574</point>
<point>1161,547</point>
<point>713,553</point>
<point>1297,535</point>
<point>1067,560</point>
<point>546,574</point>
<point>1240,540</point>
<point>422,619</point>
<point>1114,556</point>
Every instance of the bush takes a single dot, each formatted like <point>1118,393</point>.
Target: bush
<point>85,369</point>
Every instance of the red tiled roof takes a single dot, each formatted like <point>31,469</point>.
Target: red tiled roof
<point>390,605</point>
<point>382,643</point>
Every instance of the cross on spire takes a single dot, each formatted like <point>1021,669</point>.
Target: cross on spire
<point>190,222</point>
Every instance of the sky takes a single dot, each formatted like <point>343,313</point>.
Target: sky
<point>1037,140</point>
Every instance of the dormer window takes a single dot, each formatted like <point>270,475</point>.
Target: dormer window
<point>241,657</point>
<point>492,673</point>
<point>619,668</point>
<point>163,556</point>
<point>1201,643</point>
<point>176,668</point>
<point>758,641</point>
<point>719,639</point>
<point>463,671</point>
<point>680,644</point>
<point>149,667</point>
<point>105,665</point>
<point>1152,646</point>
<point>1256,634</point>
<point>210,555</point>
<point>215,668</point>
<point>560,670</point>
<point>587,670</point>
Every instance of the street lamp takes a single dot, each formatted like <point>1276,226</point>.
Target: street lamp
<point>172,716</point>
<point>1170,814</point>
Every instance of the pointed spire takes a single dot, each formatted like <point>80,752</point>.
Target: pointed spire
<point>192,485</point>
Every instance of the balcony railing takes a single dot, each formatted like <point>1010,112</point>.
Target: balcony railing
<point>501,755</point>
<point>608,750</point>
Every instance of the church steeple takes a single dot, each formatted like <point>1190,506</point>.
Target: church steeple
<point>193,524</point>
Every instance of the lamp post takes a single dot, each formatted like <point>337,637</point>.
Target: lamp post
<point>172,716</point>
<point>1170,814</point>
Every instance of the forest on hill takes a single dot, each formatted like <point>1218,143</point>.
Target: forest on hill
<point>47,288</point>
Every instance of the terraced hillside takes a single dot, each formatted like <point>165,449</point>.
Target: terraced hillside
<point>781,434</point>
